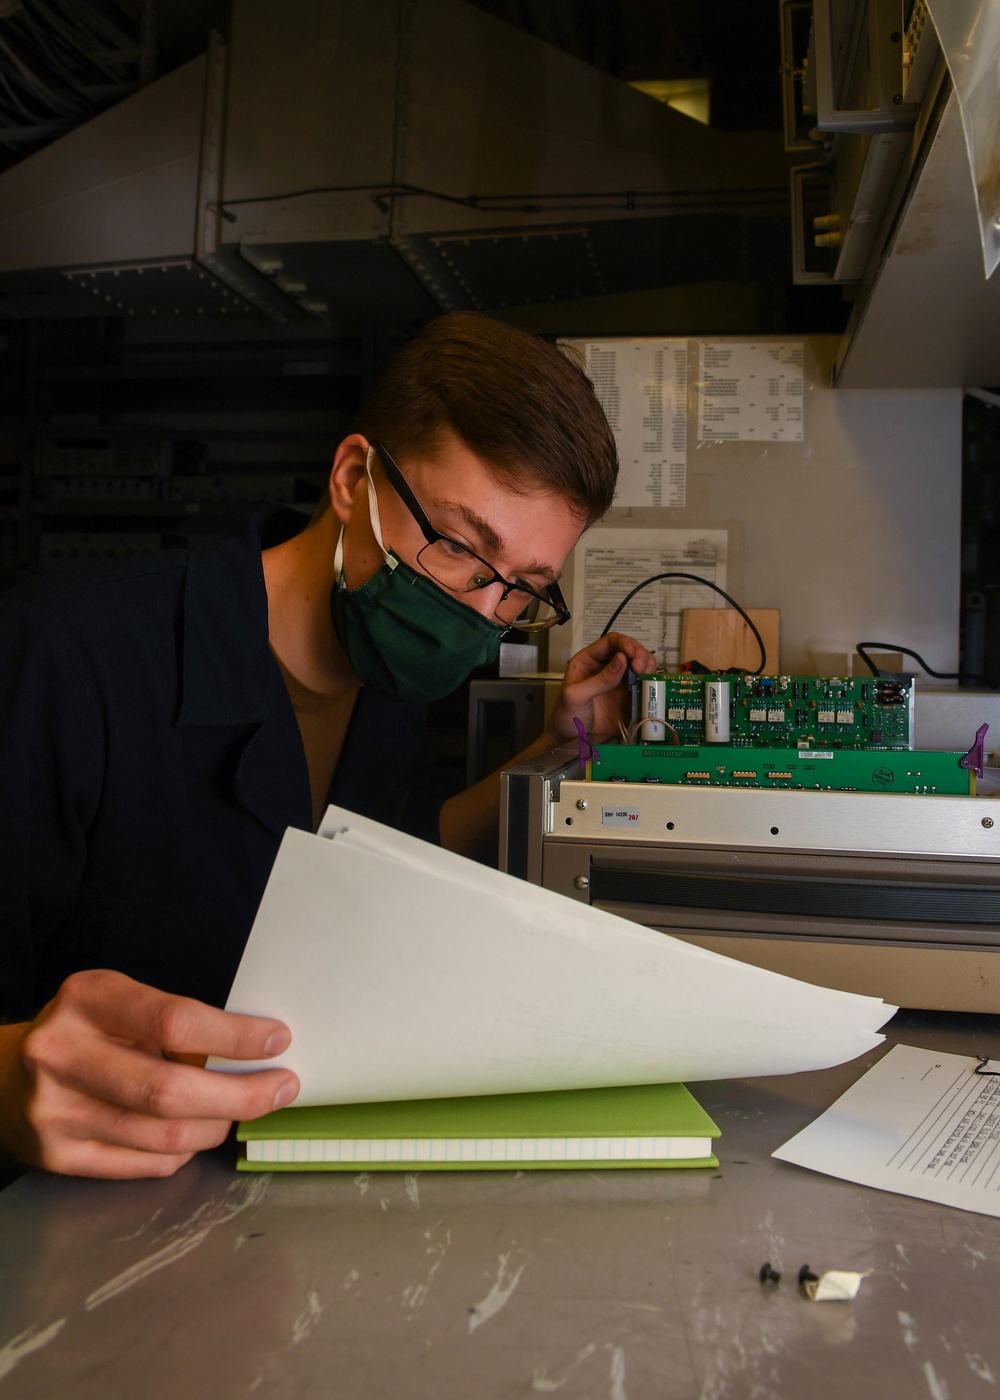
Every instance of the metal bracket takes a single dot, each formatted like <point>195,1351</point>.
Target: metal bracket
<point>884,56</point>
<point>807,265</point>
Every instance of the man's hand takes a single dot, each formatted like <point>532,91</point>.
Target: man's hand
<point>593,688</point>
<point>94,1087</point>
<point>594,692</point>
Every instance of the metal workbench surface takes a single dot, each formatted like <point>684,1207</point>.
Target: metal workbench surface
<point>617,1284</point>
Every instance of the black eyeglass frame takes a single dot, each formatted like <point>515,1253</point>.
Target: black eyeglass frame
<point>552,598</point>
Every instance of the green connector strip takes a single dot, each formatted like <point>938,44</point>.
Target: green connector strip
<point>827,770</point>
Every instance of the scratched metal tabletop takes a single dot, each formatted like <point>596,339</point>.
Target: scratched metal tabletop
<point>617,1284</point>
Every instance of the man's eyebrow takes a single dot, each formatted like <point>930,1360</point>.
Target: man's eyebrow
<point>491,540</point>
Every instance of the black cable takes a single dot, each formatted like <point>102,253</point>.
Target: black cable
<point>904,651</point>
<point>550,202</point>
<point>695,578</point>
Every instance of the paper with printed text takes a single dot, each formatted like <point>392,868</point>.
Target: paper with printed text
<point>919,1123</point>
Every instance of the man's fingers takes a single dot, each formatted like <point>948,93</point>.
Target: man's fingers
<point>147,1084</point>
<point>92,1092</point>
<point>582,692</point>
<point>65,1122</point>
<point>643,661</point>
<point>596,657</point>
<point>97,1159</point>
<point>129,1010</point>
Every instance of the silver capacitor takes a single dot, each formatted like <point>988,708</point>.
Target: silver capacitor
<point>717,712</point>
<point>653,711</point>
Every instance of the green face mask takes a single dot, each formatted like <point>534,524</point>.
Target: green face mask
<point>404,636</point>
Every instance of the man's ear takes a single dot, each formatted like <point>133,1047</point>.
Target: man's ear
<point>347,472</point>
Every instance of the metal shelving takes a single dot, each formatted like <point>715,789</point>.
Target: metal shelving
<point>117,437</point>
<point>112,429</point>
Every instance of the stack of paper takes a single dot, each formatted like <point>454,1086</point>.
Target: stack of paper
<point>407,972</point>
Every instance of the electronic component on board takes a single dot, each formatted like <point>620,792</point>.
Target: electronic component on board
<point>811,712</point>
<point>653,700</point>
<point>717,712</point>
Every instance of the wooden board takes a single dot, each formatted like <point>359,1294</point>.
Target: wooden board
<point>719,638</point>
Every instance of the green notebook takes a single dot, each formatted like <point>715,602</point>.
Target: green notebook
<point>640,1125</point>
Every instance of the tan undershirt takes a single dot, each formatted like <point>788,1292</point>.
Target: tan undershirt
<point>322,721</point>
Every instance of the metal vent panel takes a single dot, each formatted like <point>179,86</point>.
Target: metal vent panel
<point>177,287</point>
<point>510,268</point>
<point>342,278</point>
<point>515,267</point>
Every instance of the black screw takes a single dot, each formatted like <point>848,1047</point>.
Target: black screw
<point>767,1274</point>
<point>806,1275</point>
<point>898,99</point>
<point>895,37</point>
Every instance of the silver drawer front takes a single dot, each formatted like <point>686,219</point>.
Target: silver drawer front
<point>769,820</point>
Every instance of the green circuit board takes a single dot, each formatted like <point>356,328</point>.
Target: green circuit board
<point>812,712</point>
<point>829,770</point>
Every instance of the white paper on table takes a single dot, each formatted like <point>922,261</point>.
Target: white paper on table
<point>405,971</point>
<point>919,1123</point>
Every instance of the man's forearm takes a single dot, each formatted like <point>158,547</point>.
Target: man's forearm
<point>469,823</point>
<point>12,1145</point>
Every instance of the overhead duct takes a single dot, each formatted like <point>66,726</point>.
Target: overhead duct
<point>382,157</point>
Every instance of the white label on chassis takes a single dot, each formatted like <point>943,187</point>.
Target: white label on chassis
<point>619,816</point>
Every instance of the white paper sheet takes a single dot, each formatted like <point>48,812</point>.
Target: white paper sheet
<point>609,562</point>
<point>919,1123</point>
<point>405,971</point>
<point>750,392</point>
<point>642,386</point>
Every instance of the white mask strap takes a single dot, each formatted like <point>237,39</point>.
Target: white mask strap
<point>338,557</point>
<point>373,509</point>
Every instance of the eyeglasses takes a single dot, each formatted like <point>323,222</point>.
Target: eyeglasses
<point>459,569</point>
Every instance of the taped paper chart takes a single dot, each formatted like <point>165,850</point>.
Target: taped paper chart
<point>405,971</point>
<point>642,386</point>
<point>750,392</point>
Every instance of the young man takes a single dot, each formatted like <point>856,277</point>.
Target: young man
<point>162,722</point>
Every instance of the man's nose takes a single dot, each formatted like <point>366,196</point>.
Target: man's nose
<point>485,600</point>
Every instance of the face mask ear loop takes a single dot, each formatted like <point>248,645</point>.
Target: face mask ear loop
<point>390,559</point>
<point>338,555</point>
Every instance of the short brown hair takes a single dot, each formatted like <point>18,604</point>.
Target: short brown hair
<point>515,399</point>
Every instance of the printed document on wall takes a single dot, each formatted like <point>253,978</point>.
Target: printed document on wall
<point>642,386</point>
<point>750,391</point>
<point>608,563</point>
